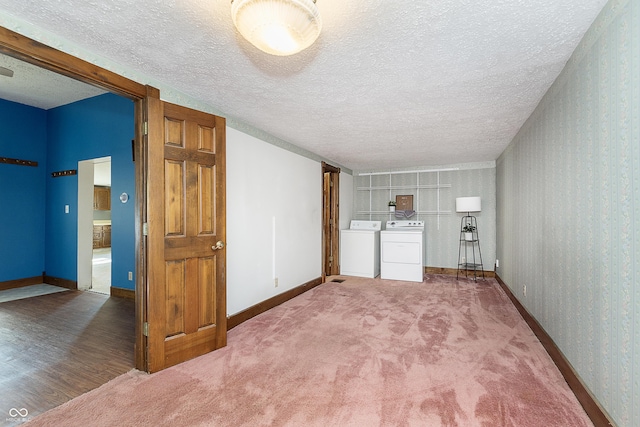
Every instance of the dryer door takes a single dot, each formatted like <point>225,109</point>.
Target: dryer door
<point>401,256</point>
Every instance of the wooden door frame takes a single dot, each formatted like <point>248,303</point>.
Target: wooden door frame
<point>330,221</point>
<point>41,55</point>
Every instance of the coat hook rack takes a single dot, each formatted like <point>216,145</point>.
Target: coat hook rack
<point>18,162</point>
<point>64,173</point>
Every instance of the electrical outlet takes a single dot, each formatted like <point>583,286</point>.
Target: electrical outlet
<point>463,260</point>
<point>130,275</point>
<point>497,263</point>
<point>275,282</point>
<point>524,290</point>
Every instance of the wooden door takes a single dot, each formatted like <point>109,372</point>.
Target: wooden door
<point>330,218</point>
<point>186,300</point>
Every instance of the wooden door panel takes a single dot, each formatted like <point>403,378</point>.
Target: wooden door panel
<point>194,310</point>
<point>207,290</point>
<point>184,347</point>
<point>174,176</point>
<point>206,187</point>
<point>173,132</point>
<point>206,139</point>
<point>192,296</point>
<point>175,292</point>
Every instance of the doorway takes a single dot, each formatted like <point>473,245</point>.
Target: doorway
<point>153,257</point>
<point>22,48</point>
<point>94,225</point>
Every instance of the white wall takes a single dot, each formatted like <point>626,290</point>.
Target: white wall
<point>268,186</point>
<point>85,223</point>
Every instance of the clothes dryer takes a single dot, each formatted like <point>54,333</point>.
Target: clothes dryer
<point>402,251</point>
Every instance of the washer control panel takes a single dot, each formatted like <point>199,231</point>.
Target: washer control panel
<point>365,225</point>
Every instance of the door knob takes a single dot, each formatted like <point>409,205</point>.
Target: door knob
<point>219,245</point>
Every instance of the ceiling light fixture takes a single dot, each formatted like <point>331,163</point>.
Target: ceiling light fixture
<point>277,27</point>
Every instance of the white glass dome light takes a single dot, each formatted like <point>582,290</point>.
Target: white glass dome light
<point>277,27</point>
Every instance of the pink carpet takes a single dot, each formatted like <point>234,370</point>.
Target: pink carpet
<point>365,352</point>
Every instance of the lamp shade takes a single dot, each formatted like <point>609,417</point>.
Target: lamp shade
<point>468,204</point>
<point>277,27</point>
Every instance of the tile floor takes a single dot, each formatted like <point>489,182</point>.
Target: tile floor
<point>101,271</point>
<point>100,280</point>
<point>29,291</point>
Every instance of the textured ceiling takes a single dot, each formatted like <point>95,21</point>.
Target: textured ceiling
<point>40,88</point>
<point>388,84</point>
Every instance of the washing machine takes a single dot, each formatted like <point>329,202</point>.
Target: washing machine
<point>360,249</point>
<point>402,250</point>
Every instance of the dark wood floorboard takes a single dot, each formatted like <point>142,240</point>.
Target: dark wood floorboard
<point>56,347</point>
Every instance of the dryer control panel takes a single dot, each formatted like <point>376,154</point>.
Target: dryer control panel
<point>404,224</point>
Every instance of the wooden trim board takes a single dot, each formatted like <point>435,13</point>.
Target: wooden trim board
<point>453,271</point>
<point>34,52</point>
<point>261,307</point>
<point>591,406</point>
<point>19,283</point>
<point>123,293</point>
<point>63,283</point>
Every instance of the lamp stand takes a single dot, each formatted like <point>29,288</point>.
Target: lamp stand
<point>469,242</point>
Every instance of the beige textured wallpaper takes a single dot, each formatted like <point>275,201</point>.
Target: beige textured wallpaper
<point>568,211</point>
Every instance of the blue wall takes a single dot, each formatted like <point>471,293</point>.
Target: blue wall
<point>22,191</point>
<point>37,235</point>
<point>97,127</point>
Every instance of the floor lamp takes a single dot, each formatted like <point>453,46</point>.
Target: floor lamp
<point>469,237</point>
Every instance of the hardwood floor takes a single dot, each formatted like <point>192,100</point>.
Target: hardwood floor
<point>56,347</point>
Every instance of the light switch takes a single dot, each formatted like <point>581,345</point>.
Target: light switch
<point>66,208</point>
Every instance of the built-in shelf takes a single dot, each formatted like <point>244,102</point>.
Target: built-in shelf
<point>404,187</point>
<point>378,188</point>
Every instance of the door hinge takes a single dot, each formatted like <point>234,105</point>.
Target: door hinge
<point>145,329</point>
<point>145,229</point>
<point>145,128</point>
